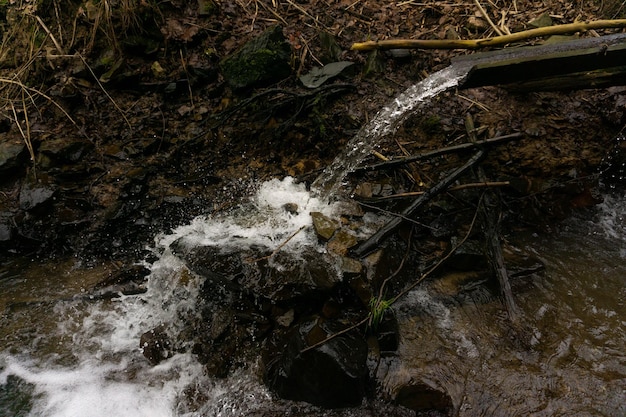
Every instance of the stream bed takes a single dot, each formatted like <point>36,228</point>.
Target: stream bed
<point>65,354</point>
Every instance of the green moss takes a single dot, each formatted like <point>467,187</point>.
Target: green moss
<point>261,61</point>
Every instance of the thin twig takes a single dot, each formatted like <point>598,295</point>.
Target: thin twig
<point>438,152</point>
<point>334,335</point>
<point>278,248</point>
<point>397,271</point>
<point>442,260</point>
<point>487,184</point>
<point>391,213</point>
<point>182,61</point>
<point>35,91</point>
<point>45,28</point>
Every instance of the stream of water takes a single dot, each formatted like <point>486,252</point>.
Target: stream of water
<point>63,354</point>
<point>385,123</point>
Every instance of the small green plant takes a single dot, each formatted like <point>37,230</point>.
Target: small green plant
<point>378,307</point>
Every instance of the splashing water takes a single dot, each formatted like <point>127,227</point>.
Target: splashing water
<point>81,357</point>
<point>385,123</point>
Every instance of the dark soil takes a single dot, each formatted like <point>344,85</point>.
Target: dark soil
<point>134,129</point>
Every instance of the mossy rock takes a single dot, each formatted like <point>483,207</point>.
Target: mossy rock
<point>262,61</point>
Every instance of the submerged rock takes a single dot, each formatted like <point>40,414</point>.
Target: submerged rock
<point>422,397</point>
<point>331,375</point>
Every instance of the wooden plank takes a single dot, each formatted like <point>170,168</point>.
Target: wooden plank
<point>581,63</point>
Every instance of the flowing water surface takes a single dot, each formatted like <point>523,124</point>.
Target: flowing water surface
<point>385,123</point>
<point>66,355</point>
<point>572,359</point>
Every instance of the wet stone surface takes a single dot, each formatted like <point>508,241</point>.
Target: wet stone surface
<point>330,375</point>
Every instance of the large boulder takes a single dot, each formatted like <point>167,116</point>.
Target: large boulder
<point>332,374</point>
<point>282,277</point>
<point>261,61</point>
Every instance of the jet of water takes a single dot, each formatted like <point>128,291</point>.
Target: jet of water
<point>385,123</point>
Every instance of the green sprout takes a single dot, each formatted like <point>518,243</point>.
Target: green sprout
<point>378,307</point>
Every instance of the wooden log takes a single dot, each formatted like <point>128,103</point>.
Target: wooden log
<point>605,77</point>
<point>375,240</point>
<point>580,63</point>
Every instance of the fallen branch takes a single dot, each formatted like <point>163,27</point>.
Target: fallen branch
<point>443,151</point>
<point>491,222</point>
<point>277,248</point>
<point>488,42</point>
<point>374,241</point>
<point>410,194</point>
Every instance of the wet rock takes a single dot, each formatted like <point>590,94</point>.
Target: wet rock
<point>155,345</point>
<point>288,276</point>
<point>279,278</point>
<point>362,289</point>
<point>286,319</point>
<point>422,397</point>
<point>387,333</point>
<point>331,375</point>
<point>455,283</point>
<point>262,61</point>
<point>349,208</point>
<point>36,191</point>
<point>291,208</point>
<point>324,226</point>
<point>220,321</point>
<point>469,257</point>
<point>7,226</point>
<point>350,267</point>
<point>11,155</point>
<point>383,264</point>
<point>125,281</point>
<point>341,242</point>
<point>222,269</point>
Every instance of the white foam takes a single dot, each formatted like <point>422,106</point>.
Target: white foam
<point>102,389</point>
<point>264,222</point>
